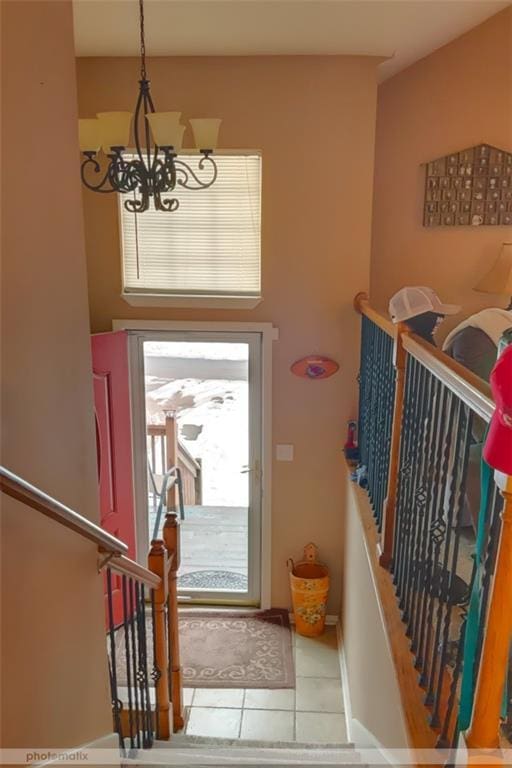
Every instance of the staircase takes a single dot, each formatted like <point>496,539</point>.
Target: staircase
<point>204,751</point>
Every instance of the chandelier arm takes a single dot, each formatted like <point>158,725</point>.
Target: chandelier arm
<point>164,174</point>
<point>138,204</point>
<point>186,177</point>
<point>126,176</point>
<point>90,162</point>
<point>169,204</point>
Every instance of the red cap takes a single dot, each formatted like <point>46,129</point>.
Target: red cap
<point>498,446</point>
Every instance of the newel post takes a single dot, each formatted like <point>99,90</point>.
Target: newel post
<point>171,533</point>
<point>171,451</point>
<point>483,732</point>
<point>388,516</point>
<point>157,564</point>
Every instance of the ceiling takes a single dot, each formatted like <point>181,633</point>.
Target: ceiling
<point>403,31</point>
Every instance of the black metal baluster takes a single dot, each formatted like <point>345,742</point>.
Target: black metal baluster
<point>444,741</point>
<point>126,627</point>
<point>156,672</point>
<point>435,425</point>
<point>419,507</point>
<point>410,484</point>
<point>116,703</point>
<point>372,412</point>
<point>388,424</point>
<point>404,468</point>
<point>437,535</point>
<point>428,548</point>
<point>363,386</point>
<point>379,423</point>
<point>418,493</point>
<point>142,672</point>
<point>455,514</point>
<point>133,661</point>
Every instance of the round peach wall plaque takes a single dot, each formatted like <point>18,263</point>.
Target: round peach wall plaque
<point>314,367</point>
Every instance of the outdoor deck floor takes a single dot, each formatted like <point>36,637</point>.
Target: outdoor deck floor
<point>214,548</point>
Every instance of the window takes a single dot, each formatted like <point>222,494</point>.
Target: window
<point>209,248</point>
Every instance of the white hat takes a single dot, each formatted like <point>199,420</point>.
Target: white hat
<point>415,300</point>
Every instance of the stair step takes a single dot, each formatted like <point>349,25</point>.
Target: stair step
<point>200,751</point>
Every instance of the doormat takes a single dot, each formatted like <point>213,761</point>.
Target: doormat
<point>237,650</point>
<point>225,650</point>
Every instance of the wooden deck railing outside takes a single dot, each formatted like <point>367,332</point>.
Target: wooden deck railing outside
<point>421,493</point>
<point>165,450</point>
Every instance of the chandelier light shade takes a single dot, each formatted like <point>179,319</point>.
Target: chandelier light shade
<point>499,278</point>
<point>153,168</point>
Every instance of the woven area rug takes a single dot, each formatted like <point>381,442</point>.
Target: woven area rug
<point>237,650</point>
<point>226,650</point>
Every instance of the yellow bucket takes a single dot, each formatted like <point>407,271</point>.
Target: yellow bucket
<point>309,583</point>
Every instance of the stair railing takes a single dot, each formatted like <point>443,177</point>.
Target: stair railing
<point>141,607</point>
<point>422,417</point>
<point>165,451</point>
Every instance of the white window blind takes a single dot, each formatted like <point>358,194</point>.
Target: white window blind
<point>210,246</point>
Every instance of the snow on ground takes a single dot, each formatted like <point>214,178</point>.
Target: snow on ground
<point>208,350</point>
<point>218,409</point>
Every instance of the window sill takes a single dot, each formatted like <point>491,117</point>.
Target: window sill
<point>190,302</point>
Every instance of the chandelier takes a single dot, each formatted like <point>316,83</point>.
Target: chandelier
<point>153,168</point>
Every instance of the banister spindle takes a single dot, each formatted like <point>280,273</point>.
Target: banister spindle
<point>171,534</point>
<point>388,523</point>
<point>157,563</point>
<point>483,733</point>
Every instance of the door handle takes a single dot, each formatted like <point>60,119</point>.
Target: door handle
<point>255,469</point>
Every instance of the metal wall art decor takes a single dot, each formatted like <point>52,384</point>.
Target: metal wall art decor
<point>153,168</point>
<point>469,188</point>
<point>315,367</point>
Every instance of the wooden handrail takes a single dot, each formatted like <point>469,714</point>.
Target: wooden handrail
<point>127,567</point>
<point>471,389</point>
<point>362,305</point>
<point>28,494</point>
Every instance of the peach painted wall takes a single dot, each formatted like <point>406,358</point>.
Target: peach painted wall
<point>54,669</point>
<point>459,96</point>
<point>314,119</point>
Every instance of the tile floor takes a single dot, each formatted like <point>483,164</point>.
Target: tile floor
<point>312,712</point>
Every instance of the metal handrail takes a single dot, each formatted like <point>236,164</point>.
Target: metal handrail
<point>127,567</point>
<point>34,497</point>
<point>171,477</point>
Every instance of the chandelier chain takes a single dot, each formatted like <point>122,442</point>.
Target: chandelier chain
<point>142,42</point>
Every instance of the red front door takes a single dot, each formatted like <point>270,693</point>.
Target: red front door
<point>114,443</point>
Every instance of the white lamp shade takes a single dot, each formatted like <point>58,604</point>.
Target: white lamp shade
<point>178,138</point>
<point>164,127</point>
<point>89,136</point>
<point>499,278</point>
<point>114,129</point>
<point>206,132</point>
